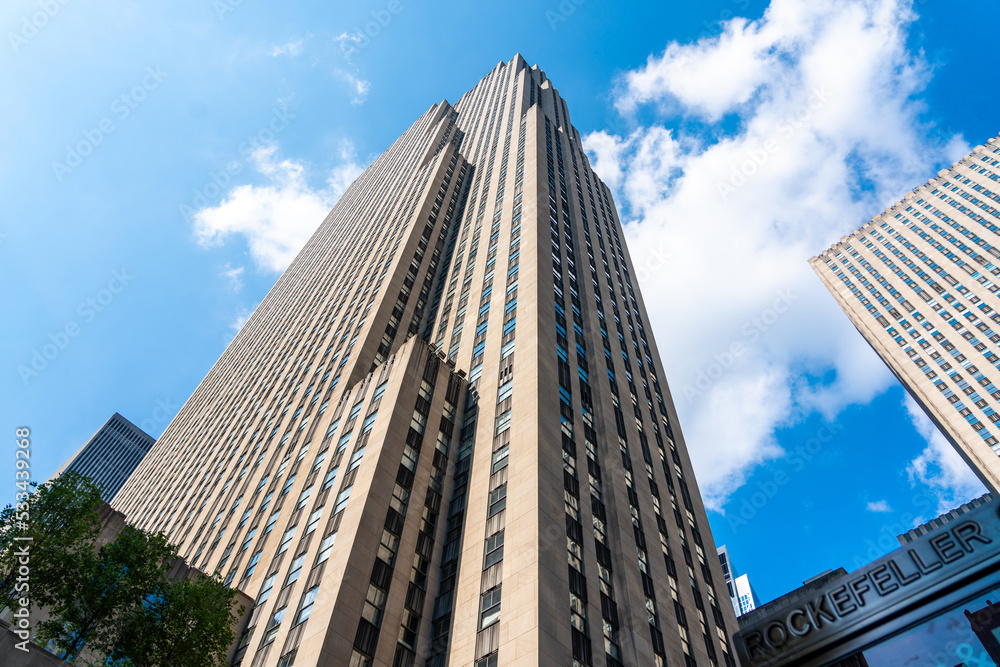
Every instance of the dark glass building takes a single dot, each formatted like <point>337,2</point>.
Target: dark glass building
<point>110,455</point>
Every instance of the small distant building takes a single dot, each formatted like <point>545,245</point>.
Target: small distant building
<point>746,596</point>
<point>985,623</point>
<point>730,573</point>
<point>927,603</point>
<point>741,593</point>
<point>110,455</point>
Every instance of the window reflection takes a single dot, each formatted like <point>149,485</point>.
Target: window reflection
<point>965,636</point>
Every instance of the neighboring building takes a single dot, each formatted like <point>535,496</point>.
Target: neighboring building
<point>741,594</point>
<point>110,455</point>
<point>396,483</point>
<point>927,603</point>
<point>746,596</point>
<point>920,283</point>
<point>730,574</point>
<point>937,522</point>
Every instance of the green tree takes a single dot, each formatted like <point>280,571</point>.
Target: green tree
<point>114,601</point>
<point>96,592</point>
<point>56,518</point>
<point>188,624</point>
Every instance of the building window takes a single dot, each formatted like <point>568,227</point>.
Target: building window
<point>314,520</point>
<point>286,539</point>
<point>369,421</point>
<point>355,459</point>
<point>251,566</point>
<point>500,458</point>
<point>494,550</point>
<point>272,627</point>
<point>328,480</point>
<point>326,548</point>
<point>498,500</point>
<point>303,498</point>
<point>502,422</point>
<point>265,589</point>
<point>307,604</point>
<point>296,568</point>
<point>342,500</point>
<point>489,661</point>
<point>489,607</point>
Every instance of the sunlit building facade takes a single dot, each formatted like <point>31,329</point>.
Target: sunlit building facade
<point>920,282</point>
<point>445,436</point>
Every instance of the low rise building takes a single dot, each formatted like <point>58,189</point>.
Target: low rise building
<point>930,602</point>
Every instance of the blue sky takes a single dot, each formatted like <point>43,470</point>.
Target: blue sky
<point>161,162</point>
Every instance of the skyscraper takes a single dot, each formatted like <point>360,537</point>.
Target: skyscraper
<point>444,437</point>
<point>920,283</point>
<point>110,455</point>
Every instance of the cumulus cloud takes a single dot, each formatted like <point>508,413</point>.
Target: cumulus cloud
<point>275,219</point>
<point>721,222</point>
<point>939,466</point>
<point>735,63</point>
<point>879,506</point>
<point>234,275</point>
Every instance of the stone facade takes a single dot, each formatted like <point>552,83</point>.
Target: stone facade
<point>920,283</point>
<point>463,330</point>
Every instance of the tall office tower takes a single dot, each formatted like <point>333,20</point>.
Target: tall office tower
<point>920,283</point>
<point>110,455</point>
<point>444,438</point>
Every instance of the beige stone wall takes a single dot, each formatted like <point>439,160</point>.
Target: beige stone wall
<point>337,324</point>
<point>924,333</point>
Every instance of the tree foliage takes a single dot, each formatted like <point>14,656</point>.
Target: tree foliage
<point>56,519</point>
<point>190,623</point>
<point>113,604</point>
<point>98,590</point>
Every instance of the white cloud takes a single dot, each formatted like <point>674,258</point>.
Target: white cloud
<point>292,48</point>
<point>241,318</point>
<point>826,103</point>
<point>879,506</point>
<point>359,87</point>
<point>710,77</point>
<point>957,148</point>
<point>234,275</point>
<point>276,219</point>
<point>347,38</point>
<point>939,466</point>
